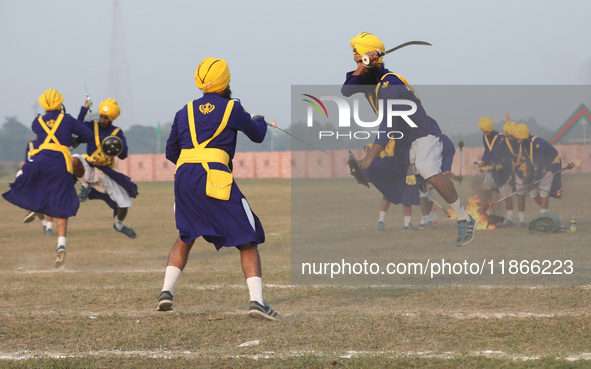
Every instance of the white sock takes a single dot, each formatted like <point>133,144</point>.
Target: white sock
<point>118,224</point>
<point>170,278</point>
<point>61,241</point>
<point>382,216</point>
<point>255,288</point>
<point>426,218</point>
<point>406,220</point>
<point>458,208</point>
<point>522,216</point>
<point>433,216</point>
<point>542,211</point>
<point>510,215</point>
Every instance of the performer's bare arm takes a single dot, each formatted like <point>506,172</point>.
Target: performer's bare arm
<point>371,155</point>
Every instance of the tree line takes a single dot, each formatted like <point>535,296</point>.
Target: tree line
<point>15,135</point>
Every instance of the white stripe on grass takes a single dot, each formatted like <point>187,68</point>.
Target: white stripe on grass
<point>32,355</point>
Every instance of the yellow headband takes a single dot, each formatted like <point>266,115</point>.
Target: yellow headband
<point>212,75</point>
<point>110,108</point>
<point>486,124</point>
<point>51,100</point>
<point>521,131</point>
<point>508,127</point>
<point>365,42</point>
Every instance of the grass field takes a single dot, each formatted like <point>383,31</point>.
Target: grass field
<point>99,311</point>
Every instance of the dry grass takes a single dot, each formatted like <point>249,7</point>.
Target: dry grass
<point>100,310</point>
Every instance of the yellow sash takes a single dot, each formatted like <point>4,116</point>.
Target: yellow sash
<point>389,149</point>
<point>510,147</point>
<point>492,143</point>
<point>51,142</point>
<point>373,100</point>
<point>530,156</point>
<point>98,157</point>
<point>219,183</point>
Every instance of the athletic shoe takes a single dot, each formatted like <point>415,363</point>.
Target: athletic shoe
<point>429,225</point>
<point>509,223</point>
<point>164,301</point>
<point>258,311</point>
<point>126,231</point>
<point>466,230</point>
<point>381,226</point>
<point>84,193</point>
<point>410,227</point>
<point>48,231</point>
<point>60,258</point>
<point>522,224</point>
<point>29,217</point>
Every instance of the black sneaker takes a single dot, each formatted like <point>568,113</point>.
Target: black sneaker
<point>29,217</point>
<point>164,301</point>
<point>125,230</point>
<point>258,311</point>
<point>427,225</point>
<point>84,191</point>
<point>466,230</point>
<point>60,258</point>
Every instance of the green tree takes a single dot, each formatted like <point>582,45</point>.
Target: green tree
<point>13,140</point>
<point>141,139</point>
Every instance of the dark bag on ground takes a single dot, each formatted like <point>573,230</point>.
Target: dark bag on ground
<point>545,223</point>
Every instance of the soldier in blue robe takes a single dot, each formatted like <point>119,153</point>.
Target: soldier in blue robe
<point>46,184</point>
<point>544,179</point>
<point>100,180</point>
<point>422,141</point>
<point>208,202</point>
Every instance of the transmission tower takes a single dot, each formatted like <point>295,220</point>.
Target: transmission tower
<point>118,80</point>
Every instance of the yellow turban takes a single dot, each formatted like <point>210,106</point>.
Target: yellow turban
<point>212,75</point>
<point>486,124</point>
<point>51,99</point>
<point>365,42</point>
<point>521,131</point>
<point>110,108</point>
<point>508,127</point>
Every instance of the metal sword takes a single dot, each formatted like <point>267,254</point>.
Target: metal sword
<point>365,58</point>
<point>570,165</point>
<point>297,138</point>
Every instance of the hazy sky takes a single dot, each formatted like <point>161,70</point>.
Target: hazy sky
<point>271,45</point>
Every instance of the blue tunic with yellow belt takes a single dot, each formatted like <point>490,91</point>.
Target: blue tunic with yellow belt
<point>498,152</point>
<point>543,158</point>
<point>389,85</point>
<point>95,157</point>
<point>46,185</point>
<point>208,202</point>
<point>390,174</point>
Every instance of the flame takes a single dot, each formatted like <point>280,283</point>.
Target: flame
<point>577,162</point>
<point>476,212</point>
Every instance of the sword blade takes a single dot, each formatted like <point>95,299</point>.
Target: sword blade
<point>299,139</point>
<point>365,58</point>
<point>407,44</point>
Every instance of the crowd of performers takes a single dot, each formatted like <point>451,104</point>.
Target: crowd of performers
<point>208,202</point>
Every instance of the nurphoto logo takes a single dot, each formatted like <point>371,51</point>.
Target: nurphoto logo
<point>389,109</point>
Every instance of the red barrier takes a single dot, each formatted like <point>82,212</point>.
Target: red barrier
<point>312,164</point>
